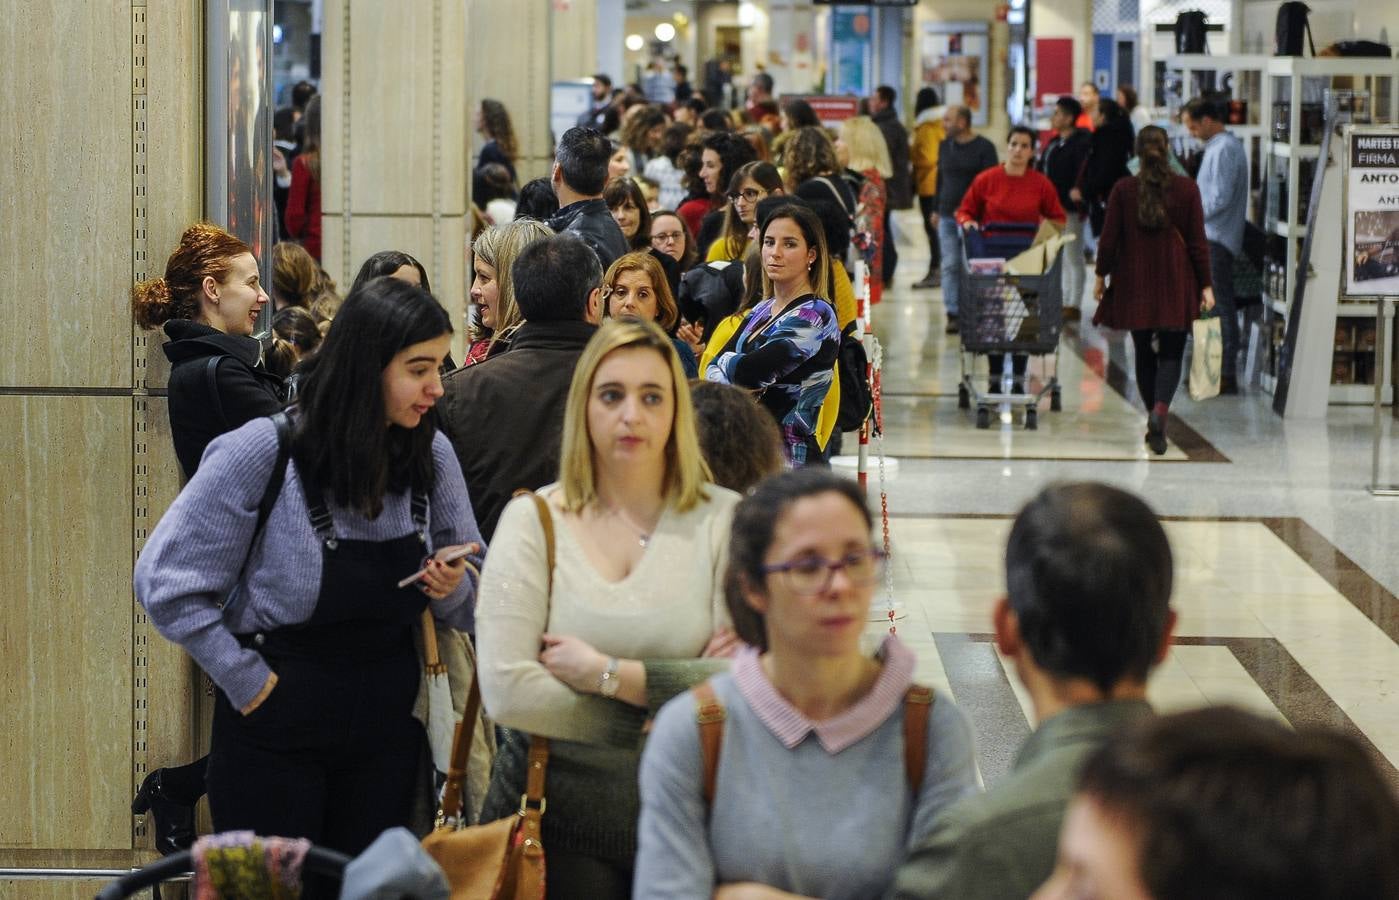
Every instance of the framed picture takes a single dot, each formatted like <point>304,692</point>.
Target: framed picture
<point>953,59</point>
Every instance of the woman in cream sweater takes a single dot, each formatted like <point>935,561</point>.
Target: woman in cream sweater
<point>637,600</point>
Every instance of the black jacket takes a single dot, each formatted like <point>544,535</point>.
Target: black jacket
<point>1108,151</point>
<point>1062,160</point>
<point>899,185</point>
<point>504,416</point>
<point>592,221</point>
<point>205,403</point>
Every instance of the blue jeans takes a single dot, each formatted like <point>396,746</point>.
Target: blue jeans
<point>950,242</point>
<point>1222,274</point>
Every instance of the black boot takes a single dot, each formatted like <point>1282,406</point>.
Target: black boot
<point>174,817</point>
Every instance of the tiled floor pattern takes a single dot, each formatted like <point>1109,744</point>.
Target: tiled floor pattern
<point>1259,627</point>
<point>1286,569</point>
<point>923,367</point>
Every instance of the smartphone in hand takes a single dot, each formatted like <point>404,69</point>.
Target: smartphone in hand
<point>445,555</point>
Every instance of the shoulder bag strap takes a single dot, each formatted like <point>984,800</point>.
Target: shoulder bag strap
<point>710,715</point>
<point>532,803</point>
<point>918,704</point>
<point>839,199</point>
<point>282,422</point>
<point>211,384</point>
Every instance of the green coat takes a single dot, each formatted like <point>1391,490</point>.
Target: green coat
<point>1001,845</point>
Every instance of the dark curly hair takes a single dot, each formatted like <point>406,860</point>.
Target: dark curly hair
<point>733,151</point>
<point>739,439</point>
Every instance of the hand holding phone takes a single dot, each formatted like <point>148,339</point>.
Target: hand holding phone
<point>446,556</point>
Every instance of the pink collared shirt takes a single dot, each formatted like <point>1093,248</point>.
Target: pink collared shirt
<point>790,727</point>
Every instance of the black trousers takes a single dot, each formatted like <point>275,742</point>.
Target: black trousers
<point>927,206</point>
<point>331,755</point>
<point>1159,367</point>
<point>889,253</point>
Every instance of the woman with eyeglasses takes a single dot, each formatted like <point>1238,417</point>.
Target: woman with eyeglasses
<point>635,286</point>
<point>752,183</point>
<point>811,767</point>
<point>670,235</point>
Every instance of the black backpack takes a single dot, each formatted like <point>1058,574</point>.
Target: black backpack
<point>1291,25</point>
<point>708,293</point>
<point>856,398</point>
<point>1190,32</point>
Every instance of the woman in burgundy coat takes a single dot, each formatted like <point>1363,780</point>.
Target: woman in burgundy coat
<point>1156,263</point>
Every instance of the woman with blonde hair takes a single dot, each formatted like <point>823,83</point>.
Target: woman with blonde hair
<point>866,153</point>
<point>634,600</point>
<point>497,316</point>
<point>635,285</point>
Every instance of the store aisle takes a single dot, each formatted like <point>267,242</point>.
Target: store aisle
<point>1285,568</point>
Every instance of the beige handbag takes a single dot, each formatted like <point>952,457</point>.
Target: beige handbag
<point>504,859</point>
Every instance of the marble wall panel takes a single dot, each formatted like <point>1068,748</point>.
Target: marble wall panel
<point>510,62</point>
<point>65,625</point>
<point>391,120</point>
<point>65,160</point>
<point>174,136</point>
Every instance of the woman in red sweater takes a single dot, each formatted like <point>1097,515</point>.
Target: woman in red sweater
<point>1154,256</point>
<point>1011,192</point>
<point>303,216</point>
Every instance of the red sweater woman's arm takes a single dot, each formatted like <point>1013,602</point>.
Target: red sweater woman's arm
<point>974,201</point>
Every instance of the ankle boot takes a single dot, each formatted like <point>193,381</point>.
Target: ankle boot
<point>174,820</point>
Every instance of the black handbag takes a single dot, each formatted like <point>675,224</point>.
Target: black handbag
<point>1291,25</point>
<point>1190,32</point>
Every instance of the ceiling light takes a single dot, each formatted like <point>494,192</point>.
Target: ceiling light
<point>635,42</point>
<point>665,32</point>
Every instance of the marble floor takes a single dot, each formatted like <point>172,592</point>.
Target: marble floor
<point>1286,566</point>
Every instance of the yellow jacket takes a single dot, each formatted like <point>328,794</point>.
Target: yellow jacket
<point>845,314</point>
<point>927,135</point>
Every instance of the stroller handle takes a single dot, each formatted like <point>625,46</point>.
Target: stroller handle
<point>320,860</point>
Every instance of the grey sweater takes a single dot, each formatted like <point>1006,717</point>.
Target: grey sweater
<point>192,578</point>
<point>802,820</point>
<point>958,164</point>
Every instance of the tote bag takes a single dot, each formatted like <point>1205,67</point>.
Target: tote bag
<point>1207,358</point>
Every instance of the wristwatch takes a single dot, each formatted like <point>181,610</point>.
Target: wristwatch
<point>609,682</point>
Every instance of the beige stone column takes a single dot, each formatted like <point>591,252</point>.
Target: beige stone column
<point>394,137</point>
<point>100,172</point>
<point>510,61</point>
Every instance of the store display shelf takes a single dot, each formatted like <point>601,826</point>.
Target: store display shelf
<point>1359,394</point>
<point>1360,309</point>
<point>1301,151</point>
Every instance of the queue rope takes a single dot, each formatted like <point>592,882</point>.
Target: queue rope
<point>876,392</point>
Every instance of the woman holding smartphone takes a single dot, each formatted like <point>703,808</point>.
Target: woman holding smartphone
<point>300,621</point>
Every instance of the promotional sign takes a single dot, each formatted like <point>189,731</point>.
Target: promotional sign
<point>954,58</point>
<point>852,52</point>
<point>830,110</point>
<point>1372,212</point>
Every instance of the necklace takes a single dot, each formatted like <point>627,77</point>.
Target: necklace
<point>643,537</point>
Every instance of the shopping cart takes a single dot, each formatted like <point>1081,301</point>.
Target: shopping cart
<point>1008,314</point>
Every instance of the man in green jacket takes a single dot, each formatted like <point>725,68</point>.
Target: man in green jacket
<point>1086,618</point>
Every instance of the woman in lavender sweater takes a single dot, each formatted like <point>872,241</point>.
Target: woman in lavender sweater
<point>301,624</point>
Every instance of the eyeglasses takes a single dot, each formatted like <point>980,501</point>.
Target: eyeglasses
<point>666,237</point>
<point>750,195</point>
<point>813,574</point>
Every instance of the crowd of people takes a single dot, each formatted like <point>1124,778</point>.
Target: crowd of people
<point>679,604</point>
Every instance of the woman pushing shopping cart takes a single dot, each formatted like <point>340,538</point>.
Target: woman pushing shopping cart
<point>1005,313</point>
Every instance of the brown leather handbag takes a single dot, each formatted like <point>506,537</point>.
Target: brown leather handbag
<point>504,859</point>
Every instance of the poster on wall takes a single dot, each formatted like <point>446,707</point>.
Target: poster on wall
<point>953,60</point>
<point>852,51</point>
<point>1372,212</point>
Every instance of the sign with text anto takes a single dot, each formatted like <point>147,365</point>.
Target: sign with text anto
<point>1372,212</point>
